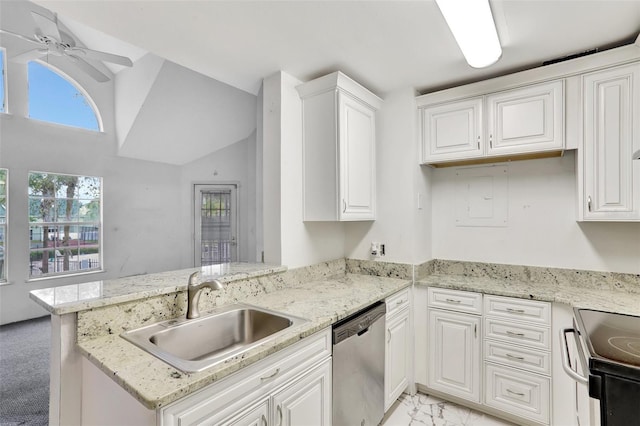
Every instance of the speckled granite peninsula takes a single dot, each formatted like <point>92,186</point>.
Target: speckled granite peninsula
<point>323,294</point>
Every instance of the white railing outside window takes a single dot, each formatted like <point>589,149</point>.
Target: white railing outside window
<point>65,224</point>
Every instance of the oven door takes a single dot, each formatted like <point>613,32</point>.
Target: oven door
<point>574,364</point>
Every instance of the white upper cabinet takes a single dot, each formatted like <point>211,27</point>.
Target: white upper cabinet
<point>501,125</point>
<point>526,120</point>
<point>611,134</point>
<point>452,131</point>
<point>339,149</point>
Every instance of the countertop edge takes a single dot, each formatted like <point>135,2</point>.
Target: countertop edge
<point>77,306</point>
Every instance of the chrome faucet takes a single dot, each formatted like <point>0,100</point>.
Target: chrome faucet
<point>193,293</point>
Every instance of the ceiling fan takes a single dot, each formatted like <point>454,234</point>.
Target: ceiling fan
<point>52,40</point>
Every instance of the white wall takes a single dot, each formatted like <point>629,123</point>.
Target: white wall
<point>185,116</point>
<point>542,228</point>
<point>137,206</point>
<point>231,165</point>
<point>399,179</point>
<point>287,239</point>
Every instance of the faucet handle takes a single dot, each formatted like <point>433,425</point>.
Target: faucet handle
<point>193,277</point>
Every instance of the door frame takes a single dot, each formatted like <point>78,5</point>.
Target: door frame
<point>196,223</point>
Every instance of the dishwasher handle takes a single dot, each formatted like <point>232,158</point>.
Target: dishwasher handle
<point>359,323</point>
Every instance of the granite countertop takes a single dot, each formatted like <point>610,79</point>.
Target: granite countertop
<point>156,384</point>
<point>573,295</point>
<point>79,297</point>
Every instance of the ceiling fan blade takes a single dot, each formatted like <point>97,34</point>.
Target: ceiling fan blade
<point>88,68</point>
<point>47,26</point>
<point>20,36</point>
<point>101,56</point>
<point>27,56</point>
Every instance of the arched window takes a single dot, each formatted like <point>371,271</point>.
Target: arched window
<point>55,98</point>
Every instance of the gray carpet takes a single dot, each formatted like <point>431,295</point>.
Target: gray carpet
<point>24,372</point>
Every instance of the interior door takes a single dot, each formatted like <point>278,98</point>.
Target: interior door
<point>216,224</point>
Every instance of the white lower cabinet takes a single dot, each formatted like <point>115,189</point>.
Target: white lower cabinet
<point>492,351</point>
<point>292,387</point>
<point>517,356</point>
<point>397,347</point>
<point>454,354</point>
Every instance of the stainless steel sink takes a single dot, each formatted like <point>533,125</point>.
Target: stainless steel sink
<point>195,344</point>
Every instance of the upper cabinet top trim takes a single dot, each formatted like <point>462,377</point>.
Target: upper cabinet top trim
<point>606,59</point>
<point>338,81</point>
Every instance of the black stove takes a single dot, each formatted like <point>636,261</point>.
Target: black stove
<point>610,345</point>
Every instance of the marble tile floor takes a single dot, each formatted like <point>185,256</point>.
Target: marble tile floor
<point>422,409</point>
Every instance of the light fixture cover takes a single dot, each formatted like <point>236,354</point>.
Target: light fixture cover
<point>472,25</point>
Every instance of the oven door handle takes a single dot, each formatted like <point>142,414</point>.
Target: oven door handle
<point>565,357</point>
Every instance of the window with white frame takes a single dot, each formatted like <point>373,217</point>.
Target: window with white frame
<point>65,224</point>
<point>3,81</point>
<point>3,224</point>
<point>56,98</point>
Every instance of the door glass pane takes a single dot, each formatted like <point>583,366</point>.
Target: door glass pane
<point>217,242</point>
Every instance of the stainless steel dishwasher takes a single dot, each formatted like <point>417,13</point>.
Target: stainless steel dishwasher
<point>358,368</point>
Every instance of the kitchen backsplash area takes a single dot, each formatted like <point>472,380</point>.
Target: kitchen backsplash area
<point>594,280</point>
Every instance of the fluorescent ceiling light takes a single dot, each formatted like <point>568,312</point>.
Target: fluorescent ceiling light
<point>471,23</point>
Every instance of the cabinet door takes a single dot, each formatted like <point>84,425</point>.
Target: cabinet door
<point>357,159</point>
<point>530,119</point>
<point>396,365</point>
<point>452,131</point>
<point>454,355</point>
<point>307,401</point>
<point>611,134</point>
<point>257,415</point>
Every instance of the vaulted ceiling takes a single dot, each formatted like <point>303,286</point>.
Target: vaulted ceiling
<point>385,45</point>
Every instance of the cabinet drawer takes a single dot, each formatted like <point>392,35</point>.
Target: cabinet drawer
<point>518,309</point>
<point>455,300</point>
<point>522,334</point>
<point>516,356</point>
<point>519,393</point>
<point>397,302</point>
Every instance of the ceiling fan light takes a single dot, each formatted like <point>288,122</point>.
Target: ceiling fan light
<point>472,25</point>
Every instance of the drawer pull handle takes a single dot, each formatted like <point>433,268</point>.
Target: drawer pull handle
<point>515,393</point>
<point>519,358</point>
<point>453,301</point>
<point>264,420</point>
<point>271,376</point>
<point>279,409</point>
<point>513,333</point>
<point>388,335</point>
<point>399,302</point>
<point>515,311</point>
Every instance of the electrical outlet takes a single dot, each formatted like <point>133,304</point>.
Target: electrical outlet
<point>377,249</point>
